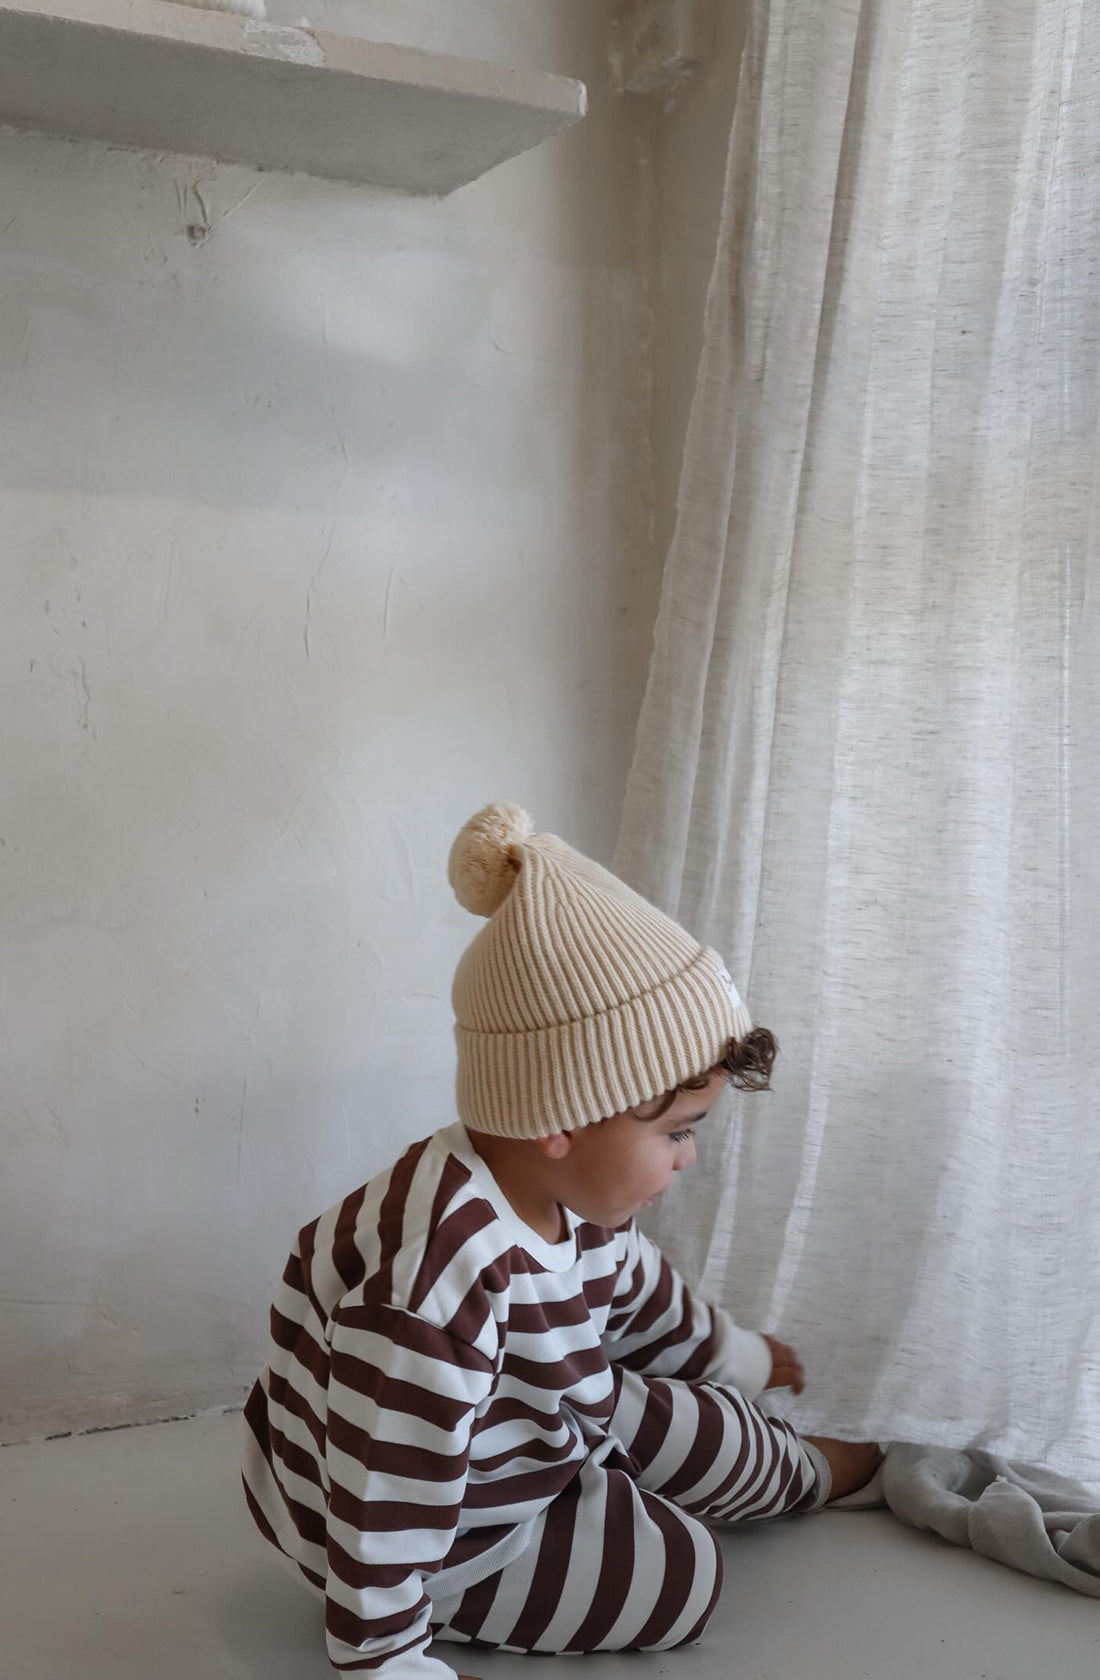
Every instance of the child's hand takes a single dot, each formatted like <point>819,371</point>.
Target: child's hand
<point>787,1369</point>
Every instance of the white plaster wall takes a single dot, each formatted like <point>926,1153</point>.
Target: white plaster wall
<point>322,524</point>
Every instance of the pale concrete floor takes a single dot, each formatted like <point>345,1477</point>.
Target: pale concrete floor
<point>130,1556</point>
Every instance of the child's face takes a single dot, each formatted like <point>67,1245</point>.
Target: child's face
<point>615,1169</point>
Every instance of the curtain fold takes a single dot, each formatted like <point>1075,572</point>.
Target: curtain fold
<point>867,764</point>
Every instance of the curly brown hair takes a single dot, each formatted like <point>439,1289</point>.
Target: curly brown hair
<point>747,1065</point>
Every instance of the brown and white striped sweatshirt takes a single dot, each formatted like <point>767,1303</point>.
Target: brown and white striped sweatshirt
<point>437,1373</point>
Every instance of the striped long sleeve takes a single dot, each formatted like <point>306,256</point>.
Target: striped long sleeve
<point>658,1327</point>
<point>436,1374</point>
<point>402,1395</point>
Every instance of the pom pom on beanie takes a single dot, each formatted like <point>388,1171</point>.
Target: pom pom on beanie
<point>483,863</point>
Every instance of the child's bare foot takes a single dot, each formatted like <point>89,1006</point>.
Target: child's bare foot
<point>852,1463</point>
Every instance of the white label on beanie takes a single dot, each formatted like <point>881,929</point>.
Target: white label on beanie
<point>727,980</point>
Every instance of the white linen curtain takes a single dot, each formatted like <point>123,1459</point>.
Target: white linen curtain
<point>868,763</point>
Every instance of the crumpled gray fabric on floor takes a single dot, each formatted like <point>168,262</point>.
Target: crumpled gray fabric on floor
<point>1032,1520</point>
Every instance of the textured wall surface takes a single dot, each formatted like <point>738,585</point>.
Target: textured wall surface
<point>324,522</point>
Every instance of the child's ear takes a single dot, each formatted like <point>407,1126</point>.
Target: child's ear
<point>556,1147</point>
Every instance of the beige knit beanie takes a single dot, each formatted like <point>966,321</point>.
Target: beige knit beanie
<point>579,999</point>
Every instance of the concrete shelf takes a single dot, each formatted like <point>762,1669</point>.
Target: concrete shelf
<point>170,78</point>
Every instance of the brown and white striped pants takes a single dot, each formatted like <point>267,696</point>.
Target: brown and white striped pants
<point>623,1558</point>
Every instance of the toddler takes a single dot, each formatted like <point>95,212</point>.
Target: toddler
<point>492,1412</point>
